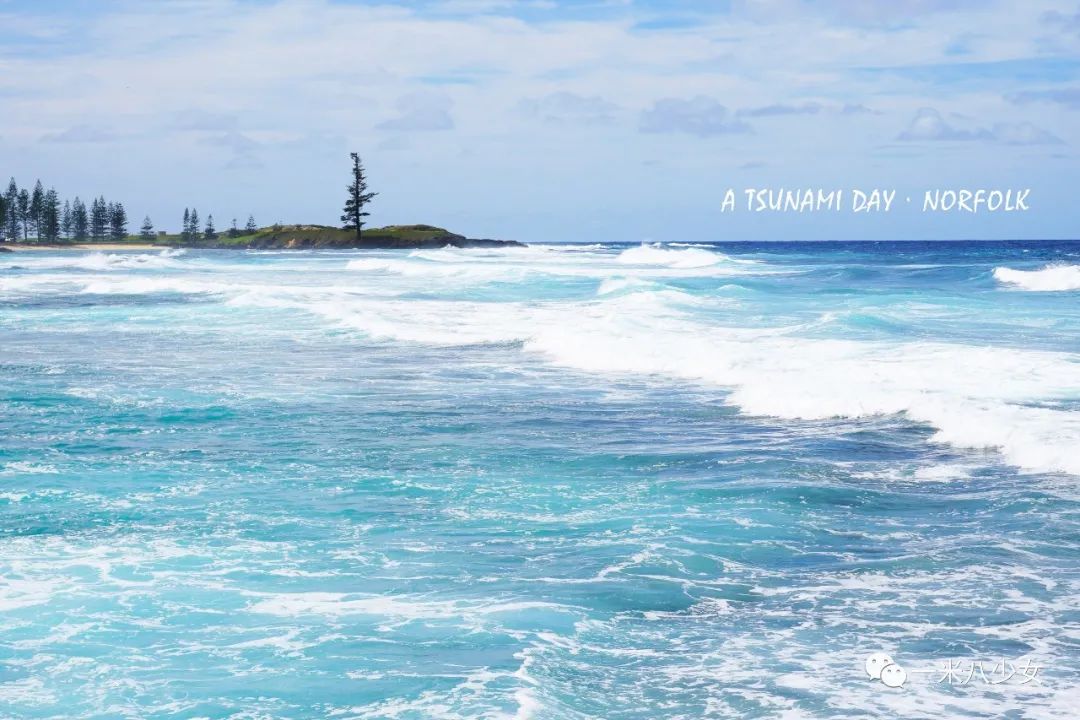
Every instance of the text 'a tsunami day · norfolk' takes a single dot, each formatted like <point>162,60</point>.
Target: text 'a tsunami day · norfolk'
<point>805,200</point>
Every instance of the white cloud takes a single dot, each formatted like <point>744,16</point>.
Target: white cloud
<point>700,116</point>
<point>928,126</point>
<point>475,89</point>
<point>80,134</point>
<point>421,112</point>
<point>568,107</point>
<point>1024,134</point>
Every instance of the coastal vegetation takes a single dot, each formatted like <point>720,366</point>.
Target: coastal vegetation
<point>354,214</point>
<point>37,216</point>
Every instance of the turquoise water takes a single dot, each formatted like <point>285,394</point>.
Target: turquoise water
<point>557,482</point>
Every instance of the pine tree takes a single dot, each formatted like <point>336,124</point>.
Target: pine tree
<point>146,232</point>
<point>250,228</point>
<point>49,217</point>
<point>11,203</point>
<point>211,234</point>
<point>117,221</point>
<point>80,221</point>
<point>67,221</point>
<point>3,219</point>
<point>193,227</point>
<point>184,228</point>
<point>24,213</point>
<point>99,219</point>
<point>353,216</point>
<point>37,205</point>
<point>234,231</point>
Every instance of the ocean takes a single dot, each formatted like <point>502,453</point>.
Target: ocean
<point>564,481</point>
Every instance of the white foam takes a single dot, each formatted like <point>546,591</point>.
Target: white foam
<point>665,257</point>
<point>150,285</point>
<point>1009,399</point>
<point>620,284</point>
<point>399,607</point>
<point>978,397</point>
<point>95,261</point>
<point>1052,278</point>
<point>974,397</point>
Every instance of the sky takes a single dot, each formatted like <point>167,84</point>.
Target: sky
<point>545,121</point>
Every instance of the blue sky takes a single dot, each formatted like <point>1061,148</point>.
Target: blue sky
<point>593,120</point>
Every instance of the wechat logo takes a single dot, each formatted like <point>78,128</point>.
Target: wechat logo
<point>880,666</point>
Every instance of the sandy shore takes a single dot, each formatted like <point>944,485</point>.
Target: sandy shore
<point>84,246</point>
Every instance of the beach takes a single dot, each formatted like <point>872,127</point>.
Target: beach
<point>81,247</point>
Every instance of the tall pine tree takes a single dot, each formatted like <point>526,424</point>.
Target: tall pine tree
<point>11,203</point>
<point>99,219</point>
<point>24,213</point>
<point>250,228</point>
<point>354,214</point>
<point>211,233</point>
<point>67,221</point>
<point>146,232</point>
<point>80,221</point>
<point>193,227</point>
<point>49,217</point>
<point>117,222</point>
<point>37,204</point>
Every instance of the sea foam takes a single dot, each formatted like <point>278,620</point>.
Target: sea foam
<point>1052,278</point>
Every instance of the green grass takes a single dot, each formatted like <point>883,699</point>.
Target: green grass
<point>324,236</point>
<point>306,236</point>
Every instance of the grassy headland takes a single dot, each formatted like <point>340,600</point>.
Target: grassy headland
<point>299,237</point>
<point>322,236</point>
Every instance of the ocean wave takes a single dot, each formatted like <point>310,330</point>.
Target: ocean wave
<point>400,607</point>
<point>687,258</point>
<point>1052,278</point>
<point>97,261</point>
<point>974,397</point>
<point>151,285</point>
<point>624,284</point>
<point>629,322</point>
<point>449,264</point>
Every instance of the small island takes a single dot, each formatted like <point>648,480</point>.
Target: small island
<point>302,237</point>
<point>286,237</point>
<point>38,220</point>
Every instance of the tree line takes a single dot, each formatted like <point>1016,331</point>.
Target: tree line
<point>190,229</point>
<point>39,214</point>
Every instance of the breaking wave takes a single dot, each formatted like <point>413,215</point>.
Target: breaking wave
<point>1052,278</point>
<point>98,262</point>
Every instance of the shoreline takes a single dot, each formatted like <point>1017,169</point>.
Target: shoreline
<point>81,246</point>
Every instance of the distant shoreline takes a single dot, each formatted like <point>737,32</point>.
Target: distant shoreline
<point>290,237</point>
<point>81,246</point>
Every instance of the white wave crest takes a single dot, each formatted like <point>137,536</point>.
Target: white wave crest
<point>666,257</point>
<point>623,284</point>
<point>96,261</point>
<point>1052,278</point>
<point>997,398</point>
